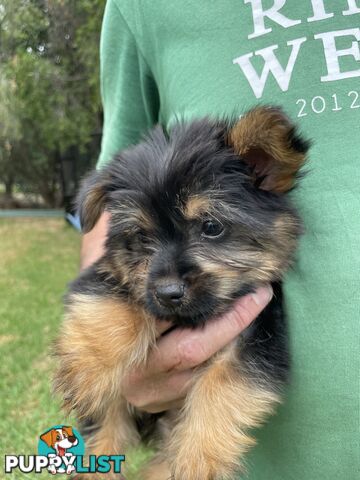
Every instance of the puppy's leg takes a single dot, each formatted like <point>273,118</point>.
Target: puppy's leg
<point>157,469</point>
<point>111,435</point>
<point>211,435</point>
<point>101,338</point>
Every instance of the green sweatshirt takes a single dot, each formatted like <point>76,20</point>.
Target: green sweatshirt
<point>161,59</point>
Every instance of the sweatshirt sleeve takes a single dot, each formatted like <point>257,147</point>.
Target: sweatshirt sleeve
<point>129,92</point>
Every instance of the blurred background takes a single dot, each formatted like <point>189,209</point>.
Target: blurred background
<point>50,133</point>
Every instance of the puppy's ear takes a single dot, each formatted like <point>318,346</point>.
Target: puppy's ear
<point>69,431</point>
<point>48,437</point>
<point>268,142</point>
<point>92,198</point>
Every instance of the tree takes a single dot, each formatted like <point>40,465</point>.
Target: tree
<point>9,132</point>
<point>51,59</point>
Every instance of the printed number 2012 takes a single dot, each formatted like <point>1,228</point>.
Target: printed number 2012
<point>319,104</point>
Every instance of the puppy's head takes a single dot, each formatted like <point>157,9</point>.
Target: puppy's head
<point>200,217</point>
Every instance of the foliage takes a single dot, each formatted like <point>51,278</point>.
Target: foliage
<point>49,64</point>
<point>9,130</point>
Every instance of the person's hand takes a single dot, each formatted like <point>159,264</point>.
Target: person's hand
<point>165,380</point>
<point>92,245</point>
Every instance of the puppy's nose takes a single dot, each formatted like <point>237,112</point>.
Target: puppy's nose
<point>170,294</point>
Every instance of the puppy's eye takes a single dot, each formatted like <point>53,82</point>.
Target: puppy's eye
<point>212,228</point>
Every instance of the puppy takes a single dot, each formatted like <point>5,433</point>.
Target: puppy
<point>199,218</point>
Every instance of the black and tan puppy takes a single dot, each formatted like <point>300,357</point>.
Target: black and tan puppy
<point>199,218</point>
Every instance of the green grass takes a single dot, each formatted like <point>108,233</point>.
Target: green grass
<point>37,259</point>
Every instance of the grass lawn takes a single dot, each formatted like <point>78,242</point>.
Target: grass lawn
<point>37,259</point>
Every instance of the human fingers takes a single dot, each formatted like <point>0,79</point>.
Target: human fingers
<point>156,393</point>
<point>185,348</point>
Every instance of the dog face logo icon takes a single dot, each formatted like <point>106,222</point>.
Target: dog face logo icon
<point>59,444</point>
<point>61,449</point>
<point>60,439</point>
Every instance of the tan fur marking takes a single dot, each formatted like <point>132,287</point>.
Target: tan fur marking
<point>101,338</point>
<point>252,267</point>
<point>117,431</point>
<point>116,434</point>
<point>212,433</point>
<point>285,227</point>
<point>158,469</point>
<point>196,206</point>
<point>134,217</point>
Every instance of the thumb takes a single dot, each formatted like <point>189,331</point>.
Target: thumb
<point>185,348</point>
<point>246,309</point>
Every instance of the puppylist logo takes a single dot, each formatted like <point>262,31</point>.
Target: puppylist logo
<point>61,450</point>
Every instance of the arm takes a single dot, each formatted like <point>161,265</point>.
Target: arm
<point>128,89</point>
<point>92,243</point>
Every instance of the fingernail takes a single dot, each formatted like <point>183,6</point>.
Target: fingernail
<point>262,296</point>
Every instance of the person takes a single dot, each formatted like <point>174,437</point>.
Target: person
<point>163,60</point>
